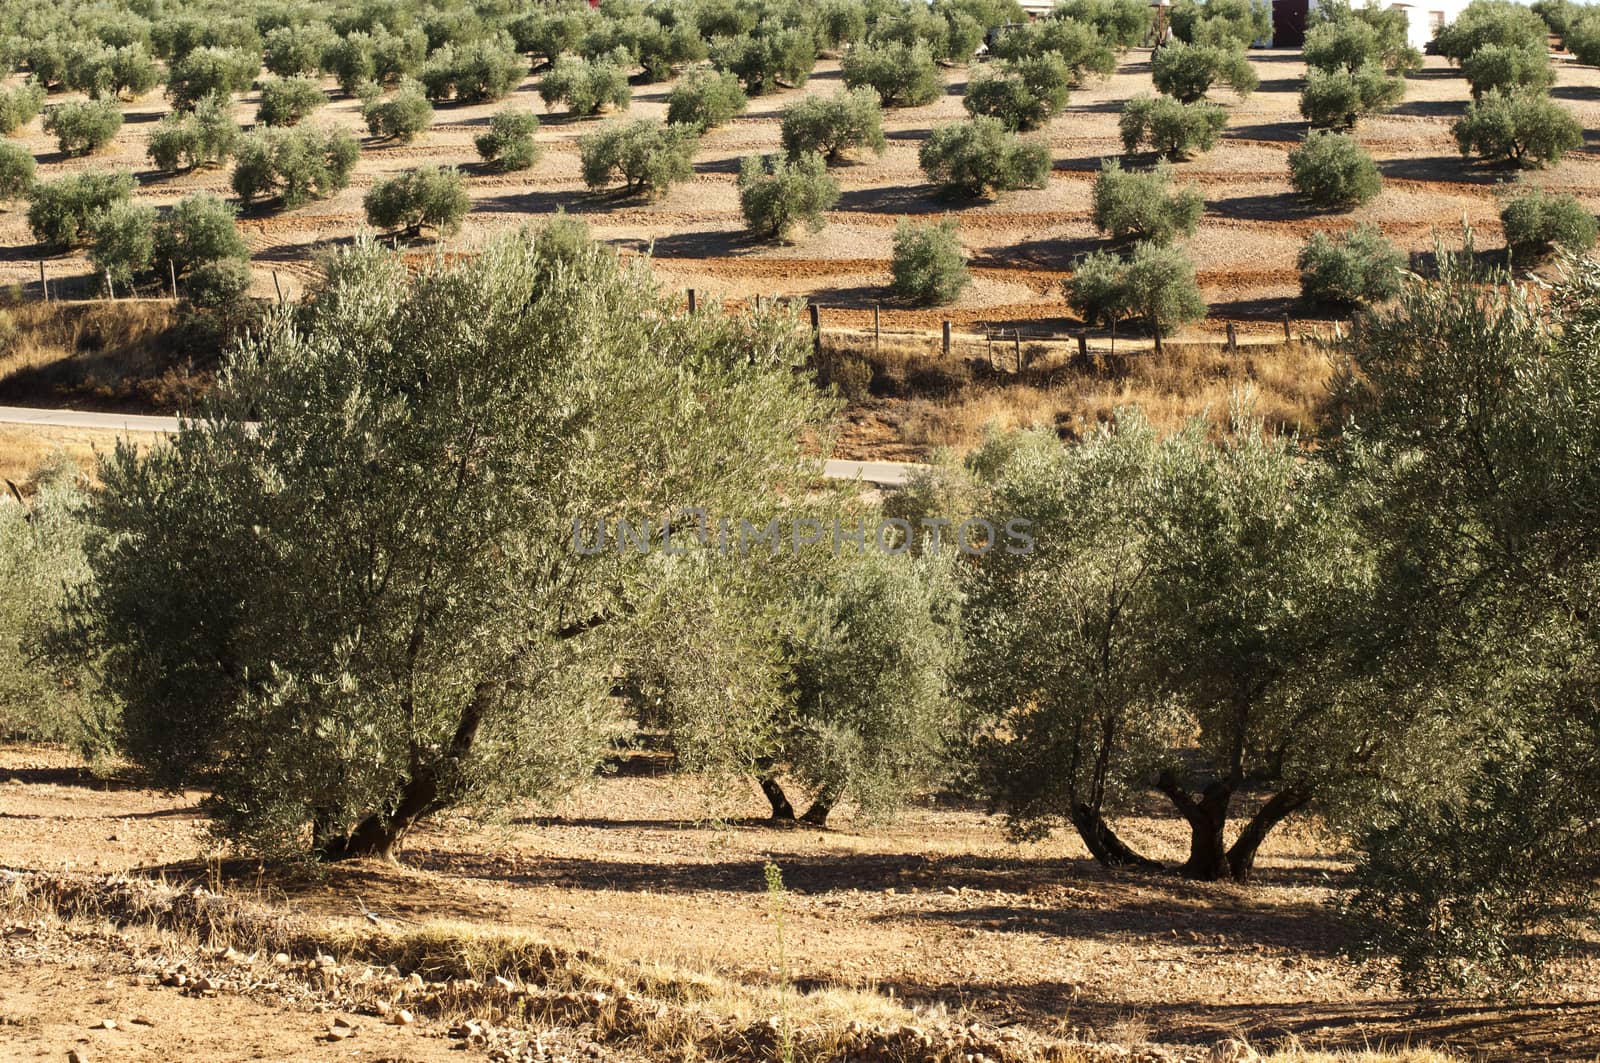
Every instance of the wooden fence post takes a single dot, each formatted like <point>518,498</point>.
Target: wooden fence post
<point>988,347</point>
<point>1286,335</point>
<point>44,285</point>
<point>1158,337</point>
<point>1083,344</point>
<point>947,339</point>
<point>111,289</point>
<point>1233,338</point>
<point>172,271</point>
<point>692,303</point>
<point>277,286</point>
<point>877,312</point>
<point>1016,342</point>
<point>816,328</point>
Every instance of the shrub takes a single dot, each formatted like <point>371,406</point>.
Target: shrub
<point>777,198</point>
<point>1507,69</point>
<point>60,212</point>
<point>1078,45</point>
<point>1583,39</point>
<point>1235,23</point>
<point>769,58</point>
<point>1121,23</point>
<point>1536,222</point>
<point>849,120</point>
<point>16,171</point>
<point>705,99</point>
<point>1559,15</point>
<point>296,51</point>
<point>645,154</point>
<point>402,116</point>
<point>210,72</point>
<point>1491,22</point>
<point>285,101</point>
<point>929,264</point>
<point>1186,72</point>
<point>1356,268</point>
<point>1025,95</point>
<point>1338,97</point>
<point>472,73</point>
<point>293,165</point>
<point>1168,127</point>
<point>218,285</point>
<point>1524,128</point>
<point>202,137</point>
<point>508,144</point>
<point>427,196</point>
<point>662,50</point>
<point>1155,285</point>
<point>973,158</point>
<point>587,86</point>
<point>1145,206</point>
<point>83,126</point>
<point>19,105</point>
<point>1332,170</point>
<point>122,241</point>
<point>902,75</point>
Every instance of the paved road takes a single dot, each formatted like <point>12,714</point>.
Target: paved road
<point>881,473</point>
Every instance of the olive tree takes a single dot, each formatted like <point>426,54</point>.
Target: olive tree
<point>929,263</point>
<point>1496,67</point>
<point>1356,268</point>
<point>1154,286</point>
<point>1536,222</point>
<point>477,72</point>
<point>16,172</point>
<point>1361,36</point>
<point>293,166</point>
<point>831,126</point>
<point>442,640</point>
<point>645,154</point>
<point>286,100</point>
<point>1486,22</point>
<point>772,57</point>
<point>1078,45</point>
<point>1130,204</point>
<point>431,196</point>
<point>400,117</point>
<point>1121,23</point>
<point>122,241</point>
<point>1235,23</point>
<point>1026,94</point>
<point>19,105</point>
<point>1333,171</point>
<point>966,160</point>
<point>210,71</point>
<point>61,212</point>
<point>706,99</point>
<point>83,126</point>
<point>903,75</point>
<point>780,196</point>
<point>1485,512</point>
<point>198,234</point>
<point>204,136</point>
<point>587,86</point>
<point>1339,98</point>
<point>508,142</point>
<point>1525,128</point>
<point>1186,72</point>
<point>1168,127</point>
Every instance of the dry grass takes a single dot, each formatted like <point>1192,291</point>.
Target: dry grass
<point>133,353</point>
<point>26,448</point>
<point>518,978</point>
<point>931,402</point>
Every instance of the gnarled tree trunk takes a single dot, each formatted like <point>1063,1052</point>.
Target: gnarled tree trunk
<point>1103,843</point>
<point>1242,856</point>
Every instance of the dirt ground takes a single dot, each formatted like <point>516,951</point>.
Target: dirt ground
<point>1022,243</point>
<point>936,910</point>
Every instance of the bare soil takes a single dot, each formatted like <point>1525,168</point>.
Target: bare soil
<point>937,910</point>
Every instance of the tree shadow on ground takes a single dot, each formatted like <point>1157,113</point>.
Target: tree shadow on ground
<point>1288,132</point>
<point>1052,253</point>
<point>1452,169</point>
<point>1266,207</point>
<point>897,199</point>
<point>1431,108</point>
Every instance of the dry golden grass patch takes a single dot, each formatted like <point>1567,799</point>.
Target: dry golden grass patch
<point>25,448</point>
